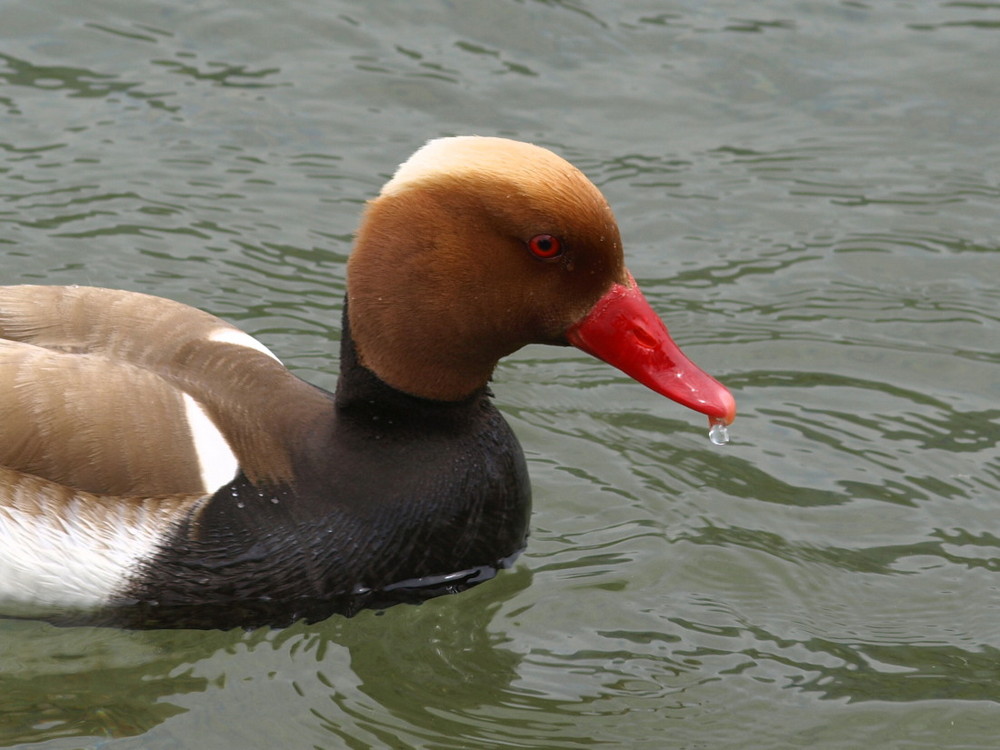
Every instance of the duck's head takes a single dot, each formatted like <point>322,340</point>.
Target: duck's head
<point>479,246</point>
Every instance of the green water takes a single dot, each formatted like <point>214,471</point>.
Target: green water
<point>808,192</point>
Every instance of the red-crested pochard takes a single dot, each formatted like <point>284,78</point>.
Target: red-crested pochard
<point>159,467</point>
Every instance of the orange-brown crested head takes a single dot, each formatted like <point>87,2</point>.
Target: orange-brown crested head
<point>476,247</point>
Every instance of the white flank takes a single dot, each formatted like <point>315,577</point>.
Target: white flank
<point>239,338</point>
<point>74,559</point>
<point>216,460</point>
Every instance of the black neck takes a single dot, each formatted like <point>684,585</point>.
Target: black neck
<point>361,392</point>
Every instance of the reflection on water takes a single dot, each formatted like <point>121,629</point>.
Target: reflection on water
<point>807,194</point>
<point>79,682</point>
<point>391,675</point>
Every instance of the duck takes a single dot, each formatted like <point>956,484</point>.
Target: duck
<point>159,467</point>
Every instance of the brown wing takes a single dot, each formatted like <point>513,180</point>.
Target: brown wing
<point>97,388</point>
<point>92,423</point>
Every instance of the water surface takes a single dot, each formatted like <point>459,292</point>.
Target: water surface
<point>808,194</point>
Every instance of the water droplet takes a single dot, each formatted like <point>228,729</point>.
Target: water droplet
<point>718,432</point>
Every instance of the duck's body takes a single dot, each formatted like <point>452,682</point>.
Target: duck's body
<point>163,468</point>
<point>352,494</point>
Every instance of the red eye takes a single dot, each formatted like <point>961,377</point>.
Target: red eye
<point>545,246</point>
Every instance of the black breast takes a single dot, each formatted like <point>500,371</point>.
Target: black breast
<point>395,499</point>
